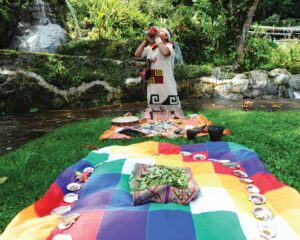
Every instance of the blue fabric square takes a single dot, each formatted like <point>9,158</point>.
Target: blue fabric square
<point>123,224</point>
<point>194,148</point>
<point>100,183</point>
<point>168,224</point>
<point>217,147</point>
<point>122,199</point>
<point>96,201</point>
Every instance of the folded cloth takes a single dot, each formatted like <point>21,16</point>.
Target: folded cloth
<point>161,193</point>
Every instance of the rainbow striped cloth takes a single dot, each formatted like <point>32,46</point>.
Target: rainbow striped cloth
<point>221,211</point>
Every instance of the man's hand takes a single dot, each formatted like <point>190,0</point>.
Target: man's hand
<point>146,40</point>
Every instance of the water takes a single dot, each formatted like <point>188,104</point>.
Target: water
<point>19,129</point>
<point>73,13</point>
<point>42,13</point>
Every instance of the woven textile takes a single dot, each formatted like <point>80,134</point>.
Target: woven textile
<point>221,210</point>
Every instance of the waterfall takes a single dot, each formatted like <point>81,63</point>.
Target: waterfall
<point>72,10</point>
<point>178,54</point>
<point>42,13</point>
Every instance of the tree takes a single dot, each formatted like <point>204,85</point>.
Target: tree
<point>244,31</point>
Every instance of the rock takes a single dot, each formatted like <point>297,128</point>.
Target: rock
<point>258,79</point>
<point>278,71</point>
<point>269,97</point>
<point>211,80</point>
<point>22,90</point>
<point>294,82</point>
<point>42,38</point>
<point>271,89</point>
<point>37,15</point>
<point>239,83</point>
<point>280,76</point>
<point>232,96</point>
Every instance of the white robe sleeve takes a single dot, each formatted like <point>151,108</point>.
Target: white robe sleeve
<point>145,51</point>
<point>172,50</point>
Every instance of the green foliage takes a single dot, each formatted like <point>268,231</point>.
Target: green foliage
<point>122,49</point>
<point>257,52</point>
<point>56,67</point>
<point>283,8</point>
<point>109,18</point>
<point>185,72</point>
<point>4,10</point>
<point>263,54</point>
<point>288,56</point>
<point>161,175</point>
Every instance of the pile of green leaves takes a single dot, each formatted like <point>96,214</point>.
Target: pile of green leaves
<point>161,175</point>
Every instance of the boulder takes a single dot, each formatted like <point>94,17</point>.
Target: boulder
<point>258,79</point>
<point>239,84</point>
<point>41,38</point>
<point>280,76</point>
<point>294,82</point>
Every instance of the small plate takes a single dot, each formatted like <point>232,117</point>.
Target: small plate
<point>232,165</point>
<point>62,237</point>
<point>259,236</point>
<point>262,213</point>
<point>72,187</point>
<point>70,217</point>
<point>186,154</point>
<point>246,180</point>
<point>89,169</point>
<point>70,197</point>
<point>60,210</point>
<point>240,174</point>
<point>252,188</point>
<point>257,199</point>
<point>67,221</point>
<point>199,157</point>
<point>222,161</point>
<point>63,226</point>
<point>266,230</point>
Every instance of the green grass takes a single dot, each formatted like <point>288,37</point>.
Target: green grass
<point>31,169</point>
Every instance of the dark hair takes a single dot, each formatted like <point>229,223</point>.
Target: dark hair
<point>170,32</point>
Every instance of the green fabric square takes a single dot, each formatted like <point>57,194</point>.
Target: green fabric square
<point>169,206</point>
<point>123,184</point>
<point>218,225</point>
<point>95,158</point>
<point>110,167</point>
<point>235,146</point>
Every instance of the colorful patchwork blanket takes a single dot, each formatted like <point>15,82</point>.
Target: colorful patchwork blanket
<point>221,210</point>
<point>165,127</point>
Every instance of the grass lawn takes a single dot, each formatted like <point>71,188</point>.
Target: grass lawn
<point>32,168</point>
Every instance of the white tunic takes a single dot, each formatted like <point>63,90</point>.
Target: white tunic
<point>162,92</point>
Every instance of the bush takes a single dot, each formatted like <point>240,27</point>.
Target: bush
<point>101,48</point>
<point>185,72</point>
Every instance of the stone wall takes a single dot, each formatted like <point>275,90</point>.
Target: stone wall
<point>256,84</point>
<point>23,84</point>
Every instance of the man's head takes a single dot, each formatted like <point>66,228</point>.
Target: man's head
<point>165,34</point>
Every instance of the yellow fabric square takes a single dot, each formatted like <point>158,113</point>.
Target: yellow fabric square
<point>208,180</point>
<point>233,183</point>
<point>170,160</point>
<point>292,217</point>
<point>26,225</point>
<point>200,167</point>
<point>241,202</point>
<point>144,149</point>
<point>283,199</point>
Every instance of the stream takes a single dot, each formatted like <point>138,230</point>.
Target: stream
<point>16,130</point>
